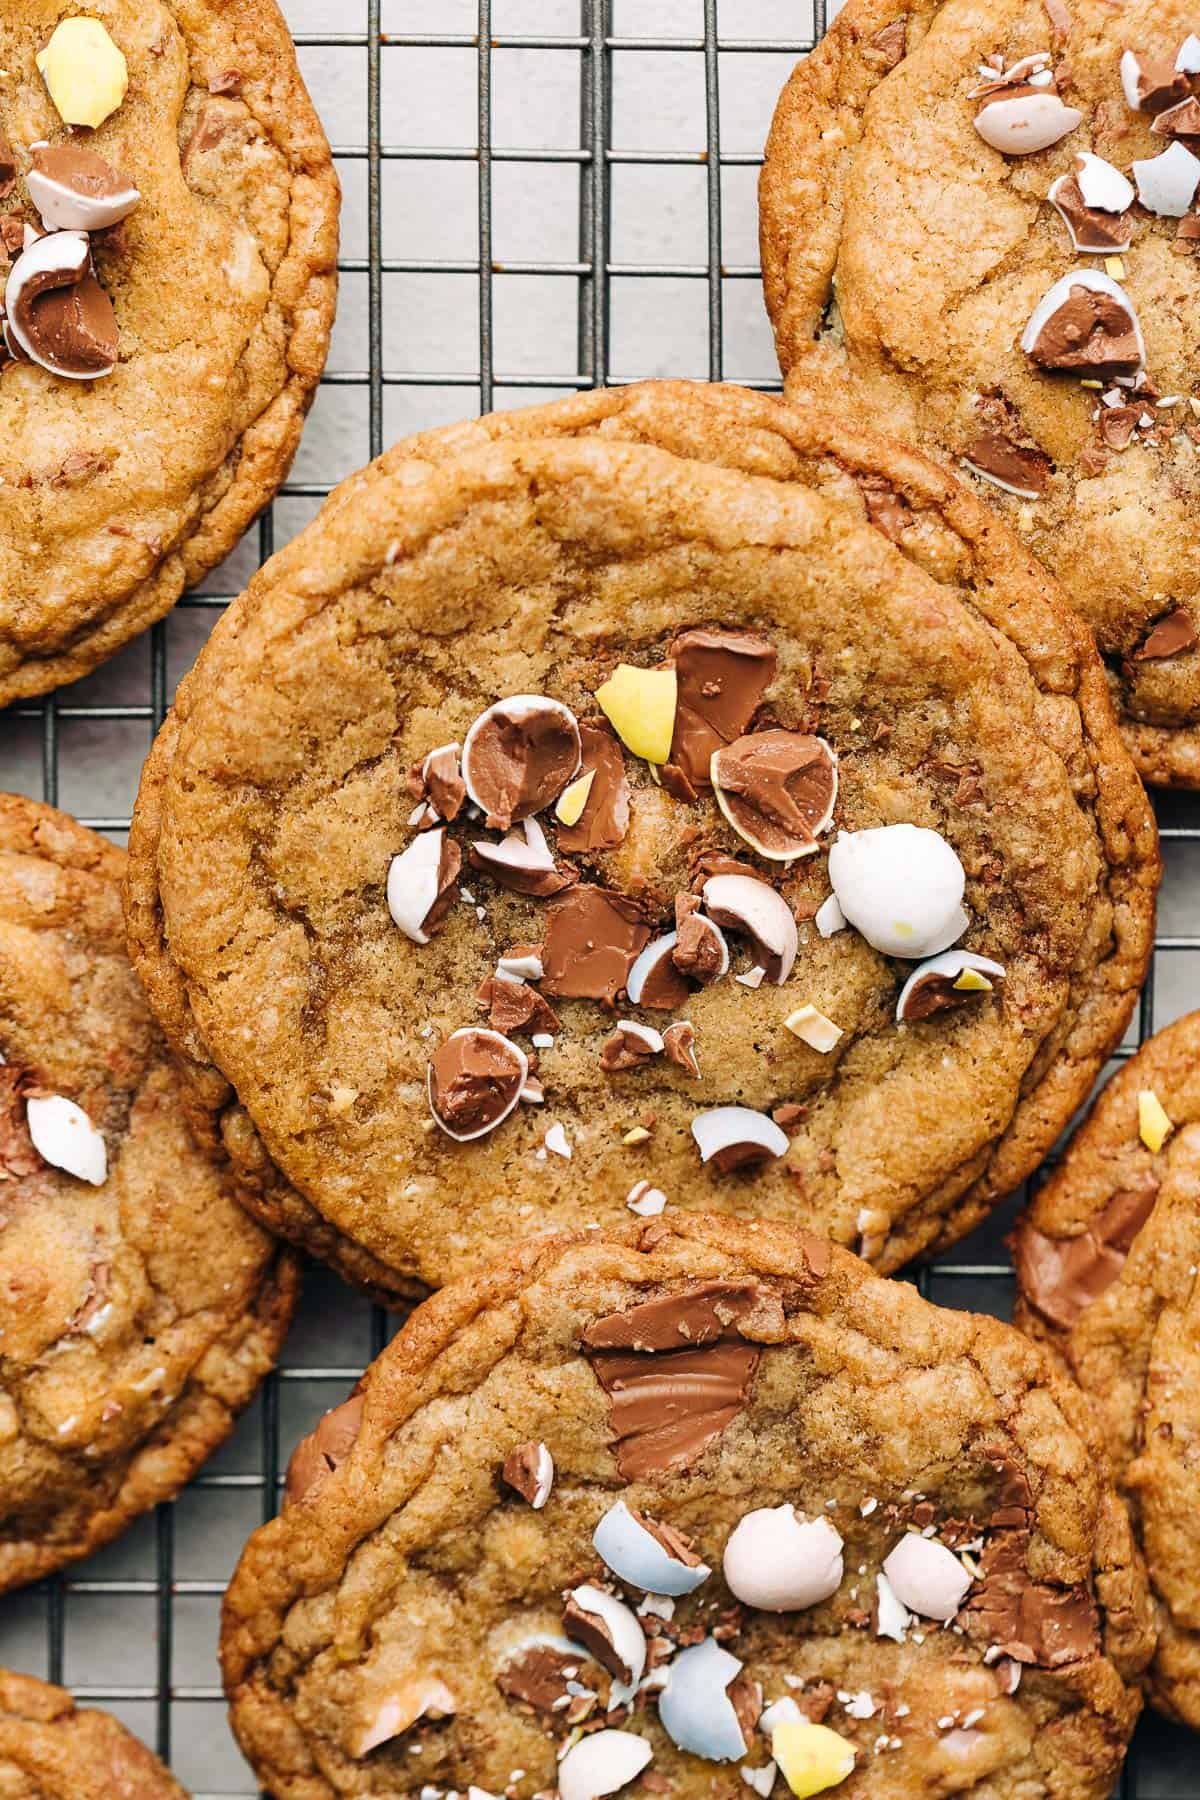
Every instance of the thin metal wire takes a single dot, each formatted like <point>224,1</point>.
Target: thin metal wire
<point>594,272</point>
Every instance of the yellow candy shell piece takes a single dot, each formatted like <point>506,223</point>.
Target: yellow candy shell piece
<point>811,1758</point>
<point>85,73</point>
<point>972,982</point>
<point>640,706</point>
<point>1154,1127</point>
<point>572,800</point>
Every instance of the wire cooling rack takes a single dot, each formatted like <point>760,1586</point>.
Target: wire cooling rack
<point>540,196</point>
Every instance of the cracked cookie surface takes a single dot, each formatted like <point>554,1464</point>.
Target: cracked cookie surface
<point>1107,1259</point>
<point>904,256</point>
<point>138,1311</point>
<point>412,1619</point>
<point>118,493</point>
<point>957,690</point>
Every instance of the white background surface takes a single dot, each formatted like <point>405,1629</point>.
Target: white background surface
<point>124,1631</point>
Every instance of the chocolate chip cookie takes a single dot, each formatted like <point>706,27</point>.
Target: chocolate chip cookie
<point>979,226</point>
<point>168,251</point>
<point>1107,1259</point>
<point>49,1750</point>
<point>139,1306</point>
<point>697,1498</point>
<point>567,823</point>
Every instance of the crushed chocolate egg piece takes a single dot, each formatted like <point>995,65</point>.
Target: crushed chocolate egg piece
<point>1017,468</point>
<point>438,780</point>
<point>422,884</point>
<point>475,1082</point>
<point>1085,322</point>
<point>946,983</point>
<point>1031,1621</point>
<point>679,1042</point>
<point>1062,1276</point>
<point>1152,83</point>
<point>76,190</point>
<point>324,1449</point>
<point>1179,121</point>
<point>604,822</point>
<point>654,980</point>
<point>523,863</point>
<point>722,677</point>
<point>676,1372</point>
<point>630,1046</point>
<point>778,790</point>
<point>892,43</point>
<point>518,756</point>
<point>1170,637</point>
<point>737,1137</point>
<point>8,166</point>
<point>1094,203</point>
<point>887,510</point>
<point>537,1678</point>
<point>593,939</point>
<point>529,1471</point>
<point>57,314</point>
<point>700,951</point>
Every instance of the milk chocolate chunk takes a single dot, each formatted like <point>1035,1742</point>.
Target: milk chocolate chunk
<point>1118,425</point>
<point>593,938</point>
<point>1062,1276</point>
<point>722,677</point>
<point>1091,329</point>
<point>1169,637</point>
<point>1155,82</point>
<point>629,1047</point>
<point>538,1679</point>
<point>324,1449</point>
<point>529,1471</point>
<point>516,1006</point>
<point>668,1401</point>
<point>57,312</point>
<point>8,167</point>
<point>777,789</point>
<point>1022,468</point>
<point>887,510</point>
<point>18,1157</point>
<point>438,779</point>
<point>1031,1621</point>
<point>605,818</point>
<point>518,757</point>
<point>475,1081</point>
<point>892,43</point>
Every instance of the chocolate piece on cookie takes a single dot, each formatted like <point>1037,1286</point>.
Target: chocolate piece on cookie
<point>1106,1261</point>
<point>797,1517</point>
<point>52,1750</point>
<point>126,1349</point>
<point>166,312</point>
<point>922,727</point>
<point>985,243</point>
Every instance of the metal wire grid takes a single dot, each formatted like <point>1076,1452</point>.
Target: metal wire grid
<point>978,1275</point>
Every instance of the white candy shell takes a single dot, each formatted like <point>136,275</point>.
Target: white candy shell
<point>467,1137</point>
<point>695,1711</point>
<point>516,706</point>
<point>62,209</point>
<point>1131,71</point>
<point>780,1563</point>
<point>412,884</point>
<point>628,1638</point>
<point>636,1556</point>
<point>1103,186</point>
<point>601,1763</point>
<point>1060,293</point>
<point>1188,60</point>
<point>951,963</point>
<point>66,250</point>
<point>783,1711</point>
<point>829,918</point>
<point>63,1134</point>
<point>1025,123</point>
<point>926,1578</point>
<point>892,1619</point>
<point>656,950</point>
<point>743,903</point>
<point>724,1126</point>
<point>901,886</point>
<point>1167,184</point>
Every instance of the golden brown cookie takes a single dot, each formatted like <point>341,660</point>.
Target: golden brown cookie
<point>918,270</point>
<point>139,1306</point>
<point>1107,1259</point>
<point>532,555</point>
<point>179,340</point>
<point>663,1500</point>
<point>51,1751</point>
